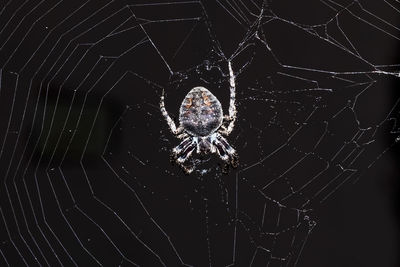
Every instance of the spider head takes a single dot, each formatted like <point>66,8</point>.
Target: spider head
<point>204,145</point>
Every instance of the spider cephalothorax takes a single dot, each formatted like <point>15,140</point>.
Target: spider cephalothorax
<point>201,125</point>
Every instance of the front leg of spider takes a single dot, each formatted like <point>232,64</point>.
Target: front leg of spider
<point>231,118</point>
<point>201,126</point>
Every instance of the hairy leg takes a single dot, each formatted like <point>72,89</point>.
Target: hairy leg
<point>232,104</point>
<point>185,143</point>
<point>170,122</point>
<point>181,153</point>
<point>226,152</point>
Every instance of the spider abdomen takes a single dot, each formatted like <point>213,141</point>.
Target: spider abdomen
<point>200,112</point>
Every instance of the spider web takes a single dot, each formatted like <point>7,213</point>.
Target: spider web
<point>86,177</point>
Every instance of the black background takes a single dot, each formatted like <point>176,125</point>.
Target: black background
<point>85,151</point>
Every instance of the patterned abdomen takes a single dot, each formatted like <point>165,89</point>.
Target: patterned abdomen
<point>201,112</point>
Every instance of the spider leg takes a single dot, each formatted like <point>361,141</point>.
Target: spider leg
<point>170,122</point>
<point>182,135</point>
<point>182,152</point>
<point>186,153</point>
<point>184,156</point>
<point>185,143</point>
<point>232,104</point>
<point>225,151</point>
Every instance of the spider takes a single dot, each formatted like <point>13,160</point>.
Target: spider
<point>201,126</point>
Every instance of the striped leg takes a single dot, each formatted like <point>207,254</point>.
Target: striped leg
<point>232,105</point>
<point>170,122</point>
<point>225,151</point>
<point>182,152</point>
